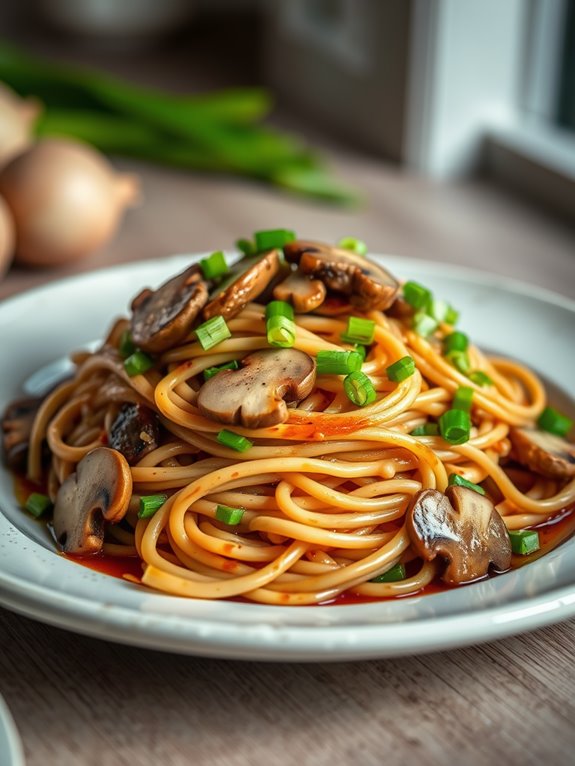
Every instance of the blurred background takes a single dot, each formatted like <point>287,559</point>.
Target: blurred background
<point>436,129</point>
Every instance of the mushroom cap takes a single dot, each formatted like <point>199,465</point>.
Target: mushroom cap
<point>463,527</point>
<point>134,432</point>
<point>544,453</point>
<point>369,285</point>
<point>247,280</point>
<point>162,318</point>
<point>99,490</point>
<point>17,423</point>
<point>305,294</point>
<point>255,395</point>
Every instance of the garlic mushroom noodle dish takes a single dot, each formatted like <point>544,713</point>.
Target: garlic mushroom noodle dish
<point>297,427</point>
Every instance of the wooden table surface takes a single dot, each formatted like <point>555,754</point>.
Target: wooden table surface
<point>80,701</point>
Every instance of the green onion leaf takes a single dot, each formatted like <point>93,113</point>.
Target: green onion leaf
<point>452,316</point>
<point>554,422</point>
<point>361,350</point>
<point>37,504</point>
<point>228,515</point>
<point>524,541</point>
<point>455,480</point>
<point>126,347</point>
<point>455,426</point>
<point>138,363</point>
<point>359,331</point>
<point>416,295</point>
<point>427,429</point>
<point>462,398</point>
<point>212,332</point>
<point>149,504</point>
<point>338,362</point>
<point>272,238</point>
<point>460,360</point>
<point>281,332</point>
<point>401,370</point>
<point>359,389</point>
<point>456,341</point>
<point>423,324</point>
<point>480,378</point>
<point>214,266</point>
<point>233,441</point>
<point>246,246</point>
<point>279,309</point>
<point>396,573</point>
<point>209,372</point>
<point>438,309</point>
<point>357,246</point>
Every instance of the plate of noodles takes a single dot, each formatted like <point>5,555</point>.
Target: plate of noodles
<point>298,453</point>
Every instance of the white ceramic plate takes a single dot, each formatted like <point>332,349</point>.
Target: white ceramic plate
<point>11,752</point>
<point>532,325</point>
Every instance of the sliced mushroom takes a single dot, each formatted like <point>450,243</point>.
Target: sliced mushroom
<point>98,491</point>
<point>17,425</point>
<point>544,453</point>
<point>162,318</point>
<point>255,396</point>
<point>247,280</point>
<point>369,285</point>
<point>463,527</point>
<point>305,294</point>
<point>134,432</point>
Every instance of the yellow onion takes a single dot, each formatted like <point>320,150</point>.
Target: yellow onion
<point>6,238</point>
<point>17,118</point>
<point>66,200</point>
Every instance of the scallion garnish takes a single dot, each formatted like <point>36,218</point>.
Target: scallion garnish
<point>554,422</point>
<point>357,246</point>
<point>401,370</point>
<point>212,332</point>
<point>280,325</point>
<point>359,331</point>
<point>338,362</point>
<point>149,504</point>
<point>416,295</point>
<point>438,309</point>
<point>126,346</point>
<point>361,350</point>
<point>209,372</point>
<point>452,316</point>
<point>246,246</point>
<point>228,515</point>
<point>138,363</point>
<point>460,360</point>
<point>456,341</point>
<point>423,324</point>
<point>455,480</point>
<point>463,398</point>
<point>272,238</point>
<point>214,266</point>
<point>455,426</point>
<point>396,573</point>
<point>359,389</point>
<point>427,429</point>
<point>37,504</point>
<point>524,541</point>
<point>233,441</point>
<point>480,378</point>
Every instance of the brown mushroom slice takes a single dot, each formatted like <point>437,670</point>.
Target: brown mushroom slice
<point>255,396</point>
<point>303,293</point>
<point>134,432</point>
<point>98,491</point>
<point>247,280</point>
<point>544,453</point>
<point>162,318</point>
<point>369,285</point>
<point>463,527</point>
<point>17,425</point>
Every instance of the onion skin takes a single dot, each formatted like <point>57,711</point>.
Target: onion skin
<point>6,238</point>
<point>66,200</point>
<point>17,118</point>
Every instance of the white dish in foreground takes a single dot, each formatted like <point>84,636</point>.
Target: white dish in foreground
<point>532,325</point>
<point>11,752</point>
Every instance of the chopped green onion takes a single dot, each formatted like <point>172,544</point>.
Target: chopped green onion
<point>361,350</point>
<point>460,360</point>
<point>396,573</point>
<point>416,295</point>
<point>427,429</point>
<point>214,266</point>
<point>480,378</point>
<point>126,347</point>
<point>338,362</point>
<point>357,246</point>
<point>401,370</point>
<point>455,480</point>
<point>209,372</point>
<point>279,309</point>
<point>456,341</point>
<point>462,398</point>
<point>452,316</point>
<point>423,324</point>
<point>212,332</point>
<point>272,238</point>
<point>553,421</point>
<point>233,441</point>
<point>455,426</point>
<point>438,309</point>
<point>359,331</point>
<point>137,363</point>
<point>37,504</point>
<point>228,515</point>
<point>281,332</point>
<point>149,504</point>
<point>246,246</point>
<point>524,541</point>
<point>359,389</point>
